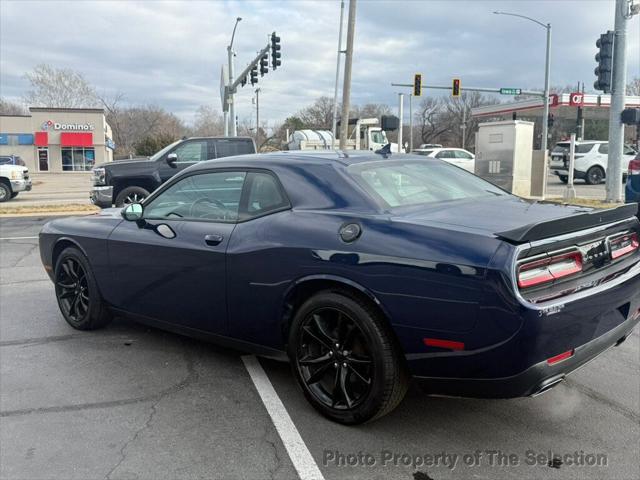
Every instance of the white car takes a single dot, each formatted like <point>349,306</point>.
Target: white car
<point>455,156</point>
<point>591,159</point>
<point>13,179</point>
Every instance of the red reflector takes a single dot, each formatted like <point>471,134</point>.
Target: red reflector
<point>450,344</point>
<point>559,358</point>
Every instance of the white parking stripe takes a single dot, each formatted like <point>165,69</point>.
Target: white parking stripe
<point>19,238</point>
<point>300,456</point>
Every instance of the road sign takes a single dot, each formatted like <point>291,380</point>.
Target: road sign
<point>576,99</point>
<point>510,91</point>
<point>417,85</point>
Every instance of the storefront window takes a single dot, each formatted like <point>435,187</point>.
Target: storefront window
<point>78,159</point>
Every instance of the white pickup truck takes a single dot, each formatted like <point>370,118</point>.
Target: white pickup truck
<point>13,180</point>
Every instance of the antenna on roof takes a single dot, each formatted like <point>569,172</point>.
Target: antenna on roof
<point>385,151</point>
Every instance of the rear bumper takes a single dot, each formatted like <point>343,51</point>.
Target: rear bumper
<point>507,354</point>
<point>536,379</point>
<point>102,196</point>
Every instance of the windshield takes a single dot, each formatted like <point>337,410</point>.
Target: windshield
<point>166,149</point>
<point>402,183</point>
<point>426,153</point>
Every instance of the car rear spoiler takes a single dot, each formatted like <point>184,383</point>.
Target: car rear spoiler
<point>569,224</point>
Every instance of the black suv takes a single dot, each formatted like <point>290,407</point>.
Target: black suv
<point>129,181</point>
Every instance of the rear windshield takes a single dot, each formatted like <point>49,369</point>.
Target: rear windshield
<point>402,183</point>
<point>426,153</point>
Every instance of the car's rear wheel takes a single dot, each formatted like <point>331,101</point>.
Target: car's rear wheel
<point>77,292</point>
<point>345,359</point>
<point>594,176</point>
<point>5,192</point>
<point>564,179</point>
<point>131,195</point>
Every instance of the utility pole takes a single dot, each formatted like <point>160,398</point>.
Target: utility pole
<point>618,86</point>
<point>411,122</point>
<point>346,89</point>
<point>232,90</point>
<point>257,115</point>
<point>335,90</point>
<point>400,115</point>
<point>464,124</point>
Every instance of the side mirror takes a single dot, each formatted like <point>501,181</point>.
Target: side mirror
<point>172,158</point>
<point>132,212</point>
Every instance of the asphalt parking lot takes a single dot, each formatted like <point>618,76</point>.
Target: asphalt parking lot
<point>129,402</point>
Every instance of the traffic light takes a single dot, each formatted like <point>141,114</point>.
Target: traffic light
<point>550,120</point>
<point>275,51</point>
<point>243,82</point>
<point>264,65</point>
<point>254,75</point>
<point>604,57</point>
<point>417,85</point>
<point>455,87</point>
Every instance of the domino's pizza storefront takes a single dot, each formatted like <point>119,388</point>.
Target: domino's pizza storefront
<point>58,139</point>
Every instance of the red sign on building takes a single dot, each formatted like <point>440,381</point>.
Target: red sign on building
<point>576,99</point>
<point>68,139</point>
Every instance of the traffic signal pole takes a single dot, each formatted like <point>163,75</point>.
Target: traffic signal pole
<point>618,86</point>
<point>346,89</point>
<point>334,121</point>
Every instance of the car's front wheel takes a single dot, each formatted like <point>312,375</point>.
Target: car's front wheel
<point>5,192</point>
<point>564,179</point>
<point>131,195</point>
<point>77,292</point>
<point>345,359</point>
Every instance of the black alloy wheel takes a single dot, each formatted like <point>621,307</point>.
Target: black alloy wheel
<point>595,175</point>
<point>131,195</point>
<point>73,290</point>
<point>345,358</point>
<point>77,292</point>
<point>333,359</point>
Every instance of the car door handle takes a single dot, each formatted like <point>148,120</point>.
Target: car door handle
<point>213,239</point>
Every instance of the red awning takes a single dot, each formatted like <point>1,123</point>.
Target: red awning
<point>68,139</point>
<point>41,139</point>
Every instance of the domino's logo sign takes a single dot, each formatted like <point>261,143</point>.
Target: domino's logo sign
<point>46,125</point>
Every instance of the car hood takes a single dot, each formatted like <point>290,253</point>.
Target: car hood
<point>491,215</point>
<point>128,161</point>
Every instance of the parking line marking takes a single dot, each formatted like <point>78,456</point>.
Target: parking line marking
<point>18,238</point>
<point>299,454</point>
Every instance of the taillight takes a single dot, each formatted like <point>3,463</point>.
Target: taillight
<point>624,245</point>
<point>548,269</point>
<point>634,167</point>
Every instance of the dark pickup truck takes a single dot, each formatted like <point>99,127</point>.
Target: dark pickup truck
<point>129,181</point>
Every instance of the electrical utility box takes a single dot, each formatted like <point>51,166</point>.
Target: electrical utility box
<point>504,153</point>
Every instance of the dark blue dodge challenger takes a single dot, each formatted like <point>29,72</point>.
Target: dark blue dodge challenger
<point>364,270</point>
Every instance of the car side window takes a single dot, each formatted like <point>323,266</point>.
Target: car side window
<point>191,152</point>
<point>603,148</point>
<point>628,150</point>
<point>444,154</point>
<point>203,196</point>
<point>462,155</point>
<point>264,194</point>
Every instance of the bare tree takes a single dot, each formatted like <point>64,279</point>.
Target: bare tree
<point>8,107</point>
<point>319,115</point>
<point>59,88</point>
<point>208,121</point>
<point>633,88</point>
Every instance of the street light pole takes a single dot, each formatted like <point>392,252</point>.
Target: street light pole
<point>346,88</point>
<point>547,73</point>
<point>335,90</point>
<point>232,108</point>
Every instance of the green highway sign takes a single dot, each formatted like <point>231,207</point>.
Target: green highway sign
<point>510,91</point>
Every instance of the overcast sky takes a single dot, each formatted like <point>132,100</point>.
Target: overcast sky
<point>170,53</point>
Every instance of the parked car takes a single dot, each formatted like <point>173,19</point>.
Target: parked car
<point>591,159</point>
<point>11,160</point>
<point>129,181</point>
<point>363,270</point>
<point>632,189</point>
<point>456,156</point>
<point>13,180</point>
<point>430,145</point>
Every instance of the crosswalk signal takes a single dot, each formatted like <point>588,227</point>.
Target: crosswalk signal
<point>417,85</point>
<point>254,75</point>
<point>264,65</point>
<point>455,87</point>
<point>275,51</point>
<point>604,57</point>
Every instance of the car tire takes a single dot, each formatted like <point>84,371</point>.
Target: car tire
<point>5,192</point>
<point>564,179</point>
<point>131,195</point>
<point>594,176</point>
<point>364,377</point>
<point>77,292</point>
